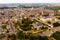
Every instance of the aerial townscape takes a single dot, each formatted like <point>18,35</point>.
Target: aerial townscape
<point>30,21</point>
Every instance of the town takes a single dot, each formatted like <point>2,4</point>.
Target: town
<point>30,23</point>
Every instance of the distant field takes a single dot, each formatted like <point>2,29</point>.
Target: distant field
<point>53,8</point>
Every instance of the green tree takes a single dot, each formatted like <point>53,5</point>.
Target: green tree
<point>4,25</point>
<point>25,24</point>
<point>56,35</point>
<point>55,24</point>
<point>12,36</point>
<point>21,35</point>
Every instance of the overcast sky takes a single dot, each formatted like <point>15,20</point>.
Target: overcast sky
<point>29,1</point>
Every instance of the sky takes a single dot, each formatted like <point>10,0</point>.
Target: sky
<point>29,1</point>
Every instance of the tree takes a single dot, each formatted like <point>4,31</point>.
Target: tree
<point>58,17</point>
<point>21,35</point>
<point>38,37</point>
<point>43,38</point>
<point>25,24</point>
<point>46,15</point>
<point>44,28</point>
<point>55,24</point>
<point>49,22</point>
<point>12,37</point>
<point>4,26</point>
<point>56,35</point>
